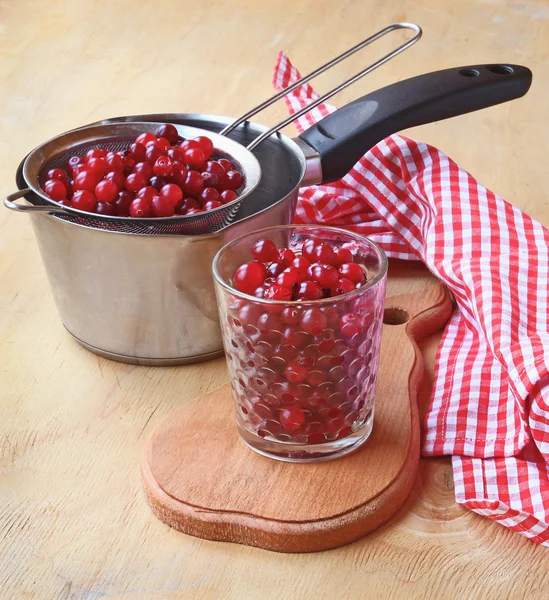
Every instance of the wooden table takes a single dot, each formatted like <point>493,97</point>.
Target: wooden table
<point>73,520</point>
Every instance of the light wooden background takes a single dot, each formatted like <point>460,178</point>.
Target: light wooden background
<point>73,521</point>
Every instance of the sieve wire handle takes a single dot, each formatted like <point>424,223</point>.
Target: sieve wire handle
<point>373,38</point>
<point>9,202</point>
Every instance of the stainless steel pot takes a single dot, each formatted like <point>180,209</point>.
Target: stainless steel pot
<point>149,299</point>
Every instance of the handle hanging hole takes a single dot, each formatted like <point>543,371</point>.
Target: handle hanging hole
<point>469,72</point>
<point>394,315</point>
<point>500,69</point>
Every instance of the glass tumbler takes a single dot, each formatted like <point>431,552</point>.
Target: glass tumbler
<point>303,373</point>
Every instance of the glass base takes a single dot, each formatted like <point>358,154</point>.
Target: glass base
<point>302,453</point>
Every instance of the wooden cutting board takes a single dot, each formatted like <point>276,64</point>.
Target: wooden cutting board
<point>202,480</point>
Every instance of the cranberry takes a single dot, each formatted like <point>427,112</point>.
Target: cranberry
<point>248,277</point>
<point>264,251</point>
<point>99,165</point>
<point>138,152</point>
<point>286,256</point>
<point>295,371</point>
<point>341,256</point>
<point>228,196</point>
<point>163,166</point>
<point>115,162</point>
<point>208,194</point>
<point>56,174</point>
<point>325,275</point>
<point>145,137</point>
<point>55,189</point>
<point>206,145</point>
<point>214,167</point>
<point>84,200</point>
<point>104,208</point>
<point>106,191</point>
<point>135,181</point>
<point>301,264</point>
<point>324,254</point>
<point>86,180</point>
<point>157,182</point>
<point>353,272</point>
<point>72,163</point>
<point>269,325</point>
<point>344,286</point>
<point>291,417</point>
<point>117,178</point>
<point>194,183</point>
<point>153,153</point>
<point>189,144</point>
<point>179,174</point>
<point>288,278</point>
<point>278,292</point>
<point>308,249</point>
<point>233,180</point>
<point>194,158</point>
<point>130,164</point>
<point>162,207</point>
<point>162,143</point>
<point>308,290</point>
<point>141,208</point>
<point>290,315</point>
<point>168,132</point>
<point>296,338</point>
<point>144,168</point>
<point>314,321</point>
<point>95,153</point>
<point>172,193</point>
<point>226,164</point>
<point>122,203</point>
<point>176,154</point>
<point>276,268</point>
<point>349,324</point>
<point>186,204</point>
<point>210,179</point>
<point>147,192</point>
<point>194,211</point>
<point>211,204</point>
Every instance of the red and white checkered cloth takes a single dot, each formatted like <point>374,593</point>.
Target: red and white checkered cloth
<point>490,403</point>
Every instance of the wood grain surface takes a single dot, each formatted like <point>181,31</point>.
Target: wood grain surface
<point>202,480</point>
<point>73,520</point>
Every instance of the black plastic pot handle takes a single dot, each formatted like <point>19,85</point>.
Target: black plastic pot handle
<point>344,136</point>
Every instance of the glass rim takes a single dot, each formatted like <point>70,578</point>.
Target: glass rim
<point>384,263</point>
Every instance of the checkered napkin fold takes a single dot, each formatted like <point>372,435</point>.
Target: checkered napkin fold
<point>489,408</point>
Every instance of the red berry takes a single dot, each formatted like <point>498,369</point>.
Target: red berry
<point>314,321</point>
<point>130,164</point>
<point>341,256</point>
<point>349,324</point>
<point>194,158</point>
<point>211,204</point>
<point>194,211</point>
<point>104,208</point>
<point>115,162</point>
<point>145,137</point>
<point>214,167</point>
<point>264,250</point>
<point>208,194</point>
<point>135,181</point>
<point>186,204</point>
<point>353,272</point>
<point>144,168</point>
<point>179,174</point>
<point>308,249</point>
<point>295,372</point>
<point>141,208</point>
<point>162,207</point>
<point>206,145</point>
<point>95,153</point>
<point>169,132</point>
<point>153,153</point>
<point>163,166</point>
<point>210,179</point>
<point>290,315</point>
<point>56,174</point>
<point>308,290</point>
<point>138,152</point>
<point>99,165</point>
<point>106,191</point>
<point>286,255</point>
<point>176,154</point>
<point>157,182</point>
<point>194,183</point>
<point>233,180</point>
<point>172,193</point>
<point>162,143</point>
<point>84,200</point>
<point>276,268</point>
<point>117,178</point>
<point>226,164</point>
<point>147,192</point>
<point>188,145</point>
<point>325,275</point>
<point>324,254</point>
<point>248,277</point>
<point>122,203</point>
<point>344,286</point>
<point>86,180</point>
<point>72,163</point>
<point>55,189</point>
<point>291,417</point>
<point>278,292</point>
<point>228,196</point>
<point>288,278</point>
<point>269,326</point>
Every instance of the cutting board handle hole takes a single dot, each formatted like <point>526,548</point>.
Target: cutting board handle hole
<point>395,316</point>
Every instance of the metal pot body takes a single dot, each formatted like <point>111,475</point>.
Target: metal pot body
<point>149,299</point>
